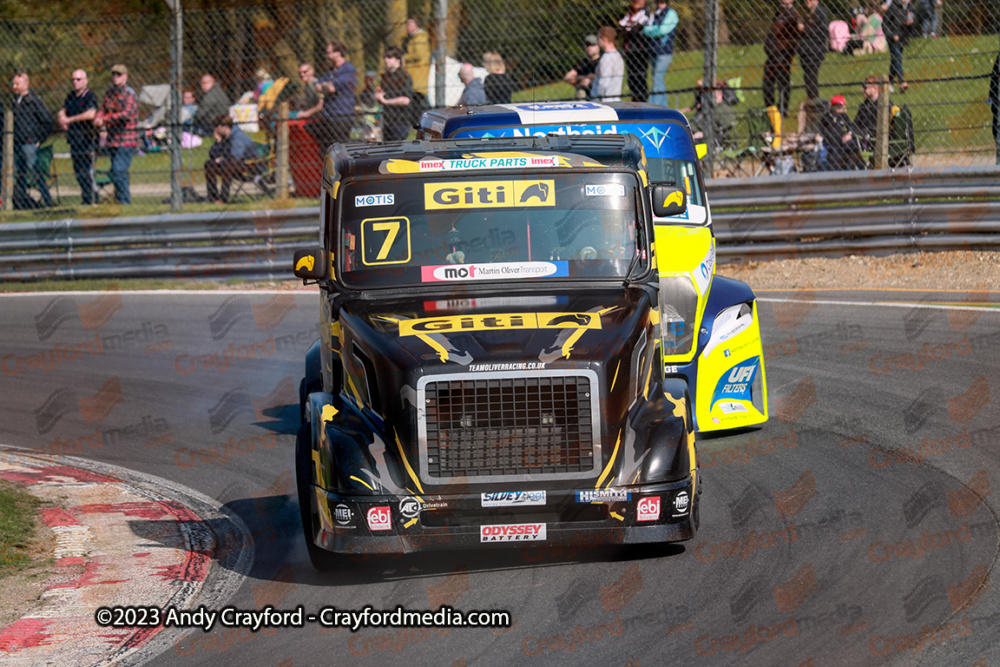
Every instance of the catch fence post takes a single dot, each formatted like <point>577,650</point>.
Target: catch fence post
<point>8,160</point>
<point>882,126</point>
<point>282,150</point>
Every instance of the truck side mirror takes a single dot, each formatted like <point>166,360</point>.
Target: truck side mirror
<point>668,201</point>
<point>311,264</point>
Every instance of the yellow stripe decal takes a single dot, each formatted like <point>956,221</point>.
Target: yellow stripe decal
<point>361,481</point>
<point>410,522</point>
<point>649,375</point>
<point>354,390</point>
<point>568,345</point>
<point>406,464</point>
<point>437,347</point>
<point>325,519</point>
<point>617,516</point>
<point>615,378</point>
<point>328,413</point>
<point>319,466</point>
<point>607,468</point>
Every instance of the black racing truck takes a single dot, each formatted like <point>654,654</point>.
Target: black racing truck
<point>490,367</point>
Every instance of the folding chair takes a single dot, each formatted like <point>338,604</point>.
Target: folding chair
<point>259,170</point>
<point>759,146</point>
<point>104,183</point>
<point>727,148</point>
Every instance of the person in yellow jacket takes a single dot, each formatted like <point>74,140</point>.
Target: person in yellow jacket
<point>417,61</point>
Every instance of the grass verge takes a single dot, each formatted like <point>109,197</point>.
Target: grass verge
<point>17,528</point>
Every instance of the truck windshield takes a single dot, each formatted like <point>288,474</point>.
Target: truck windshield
<point>535,226</point>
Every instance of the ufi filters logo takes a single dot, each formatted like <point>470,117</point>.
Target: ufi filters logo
<point>462,323</point>
<point>92,409</point>
<point>92,314</point>
<point>266,316</point>
<point>488,194</point>
<point>736,382</point>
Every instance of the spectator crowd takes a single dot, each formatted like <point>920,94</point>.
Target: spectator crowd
<point>636,47</point>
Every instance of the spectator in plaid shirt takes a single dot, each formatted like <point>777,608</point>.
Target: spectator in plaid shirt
<point>117,116</point>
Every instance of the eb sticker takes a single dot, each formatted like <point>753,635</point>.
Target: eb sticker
<point>385,241</point>
<point>488,194</point>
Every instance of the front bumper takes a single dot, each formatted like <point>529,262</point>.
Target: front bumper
<point>391,524</point>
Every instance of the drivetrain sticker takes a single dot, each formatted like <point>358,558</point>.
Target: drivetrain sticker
<point>515,532</point>
<point>512,498</point>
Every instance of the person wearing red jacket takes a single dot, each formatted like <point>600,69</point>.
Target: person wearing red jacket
<point>117,117</point>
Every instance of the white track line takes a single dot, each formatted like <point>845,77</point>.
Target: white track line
<point>884,304</point>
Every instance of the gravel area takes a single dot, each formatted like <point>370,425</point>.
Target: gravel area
<point>957,270</point>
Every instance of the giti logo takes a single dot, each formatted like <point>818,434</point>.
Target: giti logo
<point>456,323</point>
<point>488,194</point>
<point>307,262</point>
<point>675,197</point>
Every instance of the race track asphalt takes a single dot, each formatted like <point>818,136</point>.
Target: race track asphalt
<point>857,527</point>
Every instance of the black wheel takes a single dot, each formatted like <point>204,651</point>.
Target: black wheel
<point>321,558</point>
<point>303,395</point>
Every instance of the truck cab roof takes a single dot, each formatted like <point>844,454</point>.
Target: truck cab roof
<point>447,122</point>
<point>391,158</point>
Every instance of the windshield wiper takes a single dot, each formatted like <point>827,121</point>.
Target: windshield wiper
<point>639,237</point>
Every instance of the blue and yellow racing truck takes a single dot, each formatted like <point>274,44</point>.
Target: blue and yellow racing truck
<point>710,330</point>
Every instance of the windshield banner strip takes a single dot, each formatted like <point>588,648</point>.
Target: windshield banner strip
<point>494,271</point>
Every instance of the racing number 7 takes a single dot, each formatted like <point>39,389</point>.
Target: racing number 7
<point>392,248</point>
<point>393,228</point>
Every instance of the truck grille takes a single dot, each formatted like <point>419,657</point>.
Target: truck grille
<point>529,425</point>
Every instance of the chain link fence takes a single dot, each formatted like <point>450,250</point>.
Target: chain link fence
<point>946,71</point>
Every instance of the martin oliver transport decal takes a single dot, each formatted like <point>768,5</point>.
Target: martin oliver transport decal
<point>495,271</point>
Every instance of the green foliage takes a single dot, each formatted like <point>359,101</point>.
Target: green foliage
<point>540,41</point>
<point>17,527</point>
